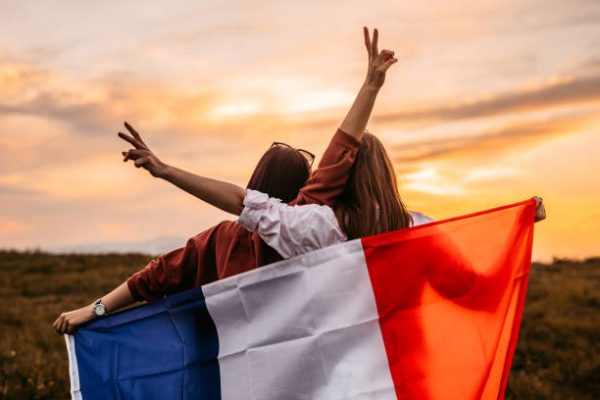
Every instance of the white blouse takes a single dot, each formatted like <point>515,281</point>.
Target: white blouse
<point>295,230</point>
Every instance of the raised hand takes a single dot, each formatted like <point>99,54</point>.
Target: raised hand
<point>141,155</point>
<point>379,62</point>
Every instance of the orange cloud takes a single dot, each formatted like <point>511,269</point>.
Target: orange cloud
<point>97,107</point>
<point>511,137</point>
<point>14,77</point>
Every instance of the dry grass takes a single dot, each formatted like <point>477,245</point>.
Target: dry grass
<point>557,355</point>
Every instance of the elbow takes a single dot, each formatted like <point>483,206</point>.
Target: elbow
<point>237,204</point>
<point>236,209</point>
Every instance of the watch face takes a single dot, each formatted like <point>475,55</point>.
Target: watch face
<point>99,309</point>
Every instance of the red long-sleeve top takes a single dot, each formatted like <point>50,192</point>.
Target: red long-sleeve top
<point>227,248</point>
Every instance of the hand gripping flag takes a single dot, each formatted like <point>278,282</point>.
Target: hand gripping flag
<point>431,312</point>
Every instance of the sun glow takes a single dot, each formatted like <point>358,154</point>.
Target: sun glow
<point>466,128</point>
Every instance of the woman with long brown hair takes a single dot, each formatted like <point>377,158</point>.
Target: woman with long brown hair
<point>371,202</point>
<point>228,248</point>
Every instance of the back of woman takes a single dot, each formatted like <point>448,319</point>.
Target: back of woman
<point>370,204</point>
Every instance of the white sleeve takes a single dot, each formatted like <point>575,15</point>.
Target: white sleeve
<point>419,218</point>
<point>290,230</point>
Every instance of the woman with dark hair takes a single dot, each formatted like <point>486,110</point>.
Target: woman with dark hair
<point>228,248</point>
<point>369,204</point>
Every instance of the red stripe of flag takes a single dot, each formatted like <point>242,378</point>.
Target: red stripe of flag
<point>450,297</point>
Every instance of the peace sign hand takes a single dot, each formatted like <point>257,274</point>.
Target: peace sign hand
<point>379,62</point>
<point>142,156</point>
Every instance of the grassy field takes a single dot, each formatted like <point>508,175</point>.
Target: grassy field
<point>558,355</point>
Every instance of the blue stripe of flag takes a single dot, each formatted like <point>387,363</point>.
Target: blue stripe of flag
<point>166,349</point>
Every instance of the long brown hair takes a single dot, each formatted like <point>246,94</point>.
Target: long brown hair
<point>371,203</point>
<point>281,172</point>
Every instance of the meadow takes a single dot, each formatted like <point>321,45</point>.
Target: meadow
<point>557,357</point>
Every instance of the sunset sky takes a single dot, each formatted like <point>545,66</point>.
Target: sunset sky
<point>490,103</point>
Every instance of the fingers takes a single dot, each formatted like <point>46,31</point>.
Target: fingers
<point>65,326</point>
<point>540,215</point>
<point>141,161</point>
<point>367,40</point>
<point>386,54</point>
<point>540,210</point>
<point>375,41</point>
<point>60,324</point>
<point>131,129</point>
<point>134,154</point>
<point>389,63</point>
<point>371,45</point>
<point>134,142</point>
<point>133,132</point>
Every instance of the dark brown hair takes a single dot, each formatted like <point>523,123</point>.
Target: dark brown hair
<point>281,172</point>
<point>371,203</point>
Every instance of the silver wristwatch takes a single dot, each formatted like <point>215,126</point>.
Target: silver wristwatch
<point>99,308</point>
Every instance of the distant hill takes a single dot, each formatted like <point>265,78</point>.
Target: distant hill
<point>154,246</point>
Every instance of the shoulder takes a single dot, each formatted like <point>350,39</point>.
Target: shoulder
<point>317,211</point>
<point>259,207</point>
<point>259,200</point>
<point>345,140</point>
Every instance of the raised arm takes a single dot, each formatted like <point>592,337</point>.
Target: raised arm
<point>379,62</point>
<point>327,183</point>
<point>226,196</point>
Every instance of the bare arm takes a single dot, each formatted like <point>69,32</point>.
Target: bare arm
<point>379,62</point>
<point>224,195</point>
<point>119,298</point>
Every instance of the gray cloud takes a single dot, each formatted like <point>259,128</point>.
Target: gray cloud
<point>86,117</point>
<point>576,90</point>
<point>11,190</point>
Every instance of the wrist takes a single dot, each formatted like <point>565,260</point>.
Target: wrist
<point>165,172</point>
<point>89,312</point>
<point>99,309</point>
<point>371,86</point>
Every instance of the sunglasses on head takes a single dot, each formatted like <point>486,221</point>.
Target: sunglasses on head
<point>310,157</point>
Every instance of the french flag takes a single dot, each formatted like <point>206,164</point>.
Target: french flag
<point>431,312</point>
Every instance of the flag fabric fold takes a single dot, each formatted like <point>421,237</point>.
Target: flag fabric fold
<point>431,312</point>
